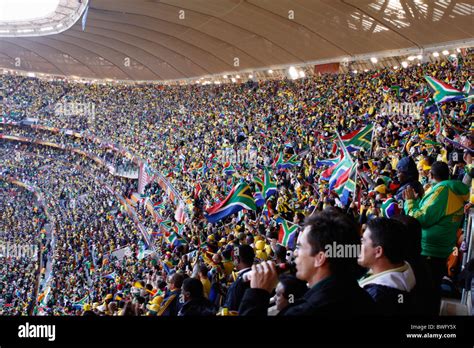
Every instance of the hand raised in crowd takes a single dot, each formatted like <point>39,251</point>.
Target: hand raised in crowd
<point>409,193</point>
<point>264,276</point>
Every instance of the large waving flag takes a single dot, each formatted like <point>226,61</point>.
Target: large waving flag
<point>239,198</point>
<point>287,234</point>
<point>326,175</point>
<point>280,162</point>
<point>173,238</point>
<point>344,165</point>
<point>442,92</point>
<point>269,185</point>
<point>360,139</point>
<point>167,224</point>
<point>327,162</point>
<point>339,174</point>
<point>342,171</point>
<point>346,184</point>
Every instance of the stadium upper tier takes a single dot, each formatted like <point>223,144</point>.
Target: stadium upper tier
<point>176,39</point>
<point>179,128</point>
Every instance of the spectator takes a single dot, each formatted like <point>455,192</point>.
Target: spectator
<point>424,303</point>
<point>334,291</point>
<point>440,214</point>
<point>287,291</point>
<point>172,302</point>
<point>244,257</point>
<point>390,279</point>
<point>407,173</point>
<point>195,304</point>
<point>206,283</point>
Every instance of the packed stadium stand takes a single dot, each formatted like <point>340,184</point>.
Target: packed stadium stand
<point>239,158</point>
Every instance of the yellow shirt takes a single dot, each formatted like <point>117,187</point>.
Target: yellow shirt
<point>206,284</point>
<point>228,267</point>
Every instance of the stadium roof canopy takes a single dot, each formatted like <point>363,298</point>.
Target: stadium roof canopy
<point>181,39</point>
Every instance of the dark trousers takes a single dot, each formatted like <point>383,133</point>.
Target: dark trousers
<point>437,267</point>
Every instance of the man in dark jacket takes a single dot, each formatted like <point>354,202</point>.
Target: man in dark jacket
<point>244,257</point>
<point>408,177</point>
<point>390,279</point>
<point>195,304</point>
<point>334,291</point>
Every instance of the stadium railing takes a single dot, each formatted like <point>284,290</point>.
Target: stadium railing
<point>467,299</point>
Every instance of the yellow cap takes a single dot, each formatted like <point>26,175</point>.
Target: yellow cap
<point>260,245</point>
<point>153,307</point>
<point>138,285</point>
<point>381,189</point>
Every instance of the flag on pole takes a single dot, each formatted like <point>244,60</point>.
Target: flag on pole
<point>360,139</point>
<point>173,238</point>
<point>280,162</point>
<point>327,162</point>
<point>259,189</point>
<point>341,169</point>
<point>287,234</point>
<point>269,185</point>
<point>346,184</point>
<point>239,198</point>
<point>443,92</point>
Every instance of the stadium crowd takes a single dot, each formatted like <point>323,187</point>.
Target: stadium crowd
<point>22,231</point>
<point>414,163</point>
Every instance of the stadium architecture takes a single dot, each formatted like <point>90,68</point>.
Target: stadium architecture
<point>236,158</point>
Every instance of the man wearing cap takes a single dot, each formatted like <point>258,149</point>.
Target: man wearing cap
<point>407,173</point>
